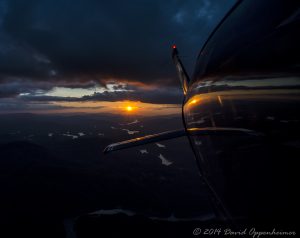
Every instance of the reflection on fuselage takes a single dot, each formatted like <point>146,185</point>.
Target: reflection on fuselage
<point>253,176</point>
<point>247,76</point>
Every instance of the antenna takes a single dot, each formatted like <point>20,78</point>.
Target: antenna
<point>183,76</point>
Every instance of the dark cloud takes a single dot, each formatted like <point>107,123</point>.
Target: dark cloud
<point>170,95</point>
<point>37,105</point>
<point>81,43</point>
<point>158,96</point>
<point>13,87</point>
<point>17,104</point>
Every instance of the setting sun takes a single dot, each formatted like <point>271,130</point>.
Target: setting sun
<point>129,108</point>
<point>119,107</point>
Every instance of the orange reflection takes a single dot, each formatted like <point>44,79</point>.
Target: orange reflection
<point>194,100</point>
<point>220,100</point>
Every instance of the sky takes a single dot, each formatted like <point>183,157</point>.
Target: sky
<point>60,56</point>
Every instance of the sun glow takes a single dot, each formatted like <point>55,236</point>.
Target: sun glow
<point>129,108</point>
<point>119,108</point>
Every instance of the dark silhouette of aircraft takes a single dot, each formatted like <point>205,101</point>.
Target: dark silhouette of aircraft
<point>241,113</point>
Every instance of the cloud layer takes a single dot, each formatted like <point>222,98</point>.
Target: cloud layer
<point>46,44</point>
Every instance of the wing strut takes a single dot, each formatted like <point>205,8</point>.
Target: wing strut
<point>206,131</point>
<point>144,140</point>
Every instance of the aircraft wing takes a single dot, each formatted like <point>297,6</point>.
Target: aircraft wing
<point>144,140</point>
<point>177,133</point>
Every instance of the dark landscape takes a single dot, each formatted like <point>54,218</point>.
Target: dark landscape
<point>54,174</point>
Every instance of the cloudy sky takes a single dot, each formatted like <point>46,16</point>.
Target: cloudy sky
<point>99,56</point>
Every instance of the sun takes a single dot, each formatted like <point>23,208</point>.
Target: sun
<point>129,108</point>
